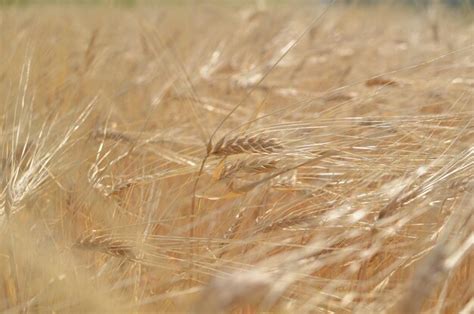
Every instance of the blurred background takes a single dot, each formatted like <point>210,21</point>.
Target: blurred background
<point>452,3</point>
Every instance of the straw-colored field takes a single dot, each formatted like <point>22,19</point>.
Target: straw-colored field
<point>206,158</point>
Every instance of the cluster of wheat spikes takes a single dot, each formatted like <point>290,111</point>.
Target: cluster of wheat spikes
<point>220,158</point>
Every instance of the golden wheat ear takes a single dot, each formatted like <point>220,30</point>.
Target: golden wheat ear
<point>246,144</point>
<point>105,243</point>
<point>248,166</point>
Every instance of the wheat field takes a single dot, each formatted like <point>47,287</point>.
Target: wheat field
<point>237,157</point>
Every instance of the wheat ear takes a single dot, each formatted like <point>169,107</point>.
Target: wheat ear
<point>253,165</point>
<point>105,243</point>
<point>246,144</point>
